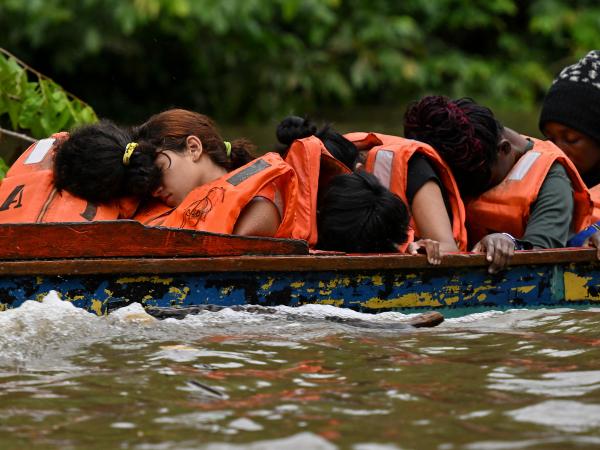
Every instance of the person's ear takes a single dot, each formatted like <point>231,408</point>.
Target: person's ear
<point>194,146</point>
<point>504,146</point>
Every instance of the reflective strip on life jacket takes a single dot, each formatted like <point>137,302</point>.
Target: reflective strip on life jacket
<point>38,156</point>
<point>389,163</point>
<point>216,206</point>
<point>315,167</point>
<point>382,167</point>
<point>506,206</point>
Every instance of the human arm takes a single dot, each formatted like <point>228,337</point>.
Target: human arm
<point>548,225</point>
<point>431,217</point>
<point>551,214</point>
<point>426,200</point>
<point>259,218</point>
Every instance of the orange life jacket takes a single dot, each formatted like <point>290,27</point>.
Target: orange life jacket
<point>216,206</point>
<point>506,206</point>
<point>28,195</point>
<point>315,167</point>
<point>366,141</point>
<point>153,213</point>
<point>389,163</point>
<point>595,193</point>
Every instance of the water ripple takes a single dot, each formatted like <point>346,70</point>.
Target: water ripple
<point>569,416</point>
<point>560,384</point>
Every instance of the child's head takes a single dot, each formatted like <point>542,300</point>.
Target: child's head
<point>294,127</point>
<point>465,134</point>
<point>570,115</point>
<point>358,215</point>
<point>102,162</point>
<point>183,142</point>
<point>90,164</point>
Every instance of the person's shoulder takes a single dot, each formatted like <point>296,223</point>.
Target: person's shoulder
<point>420,164</point>
<point>557,170</point>
<point>557,181</point>
<point>419,158</point>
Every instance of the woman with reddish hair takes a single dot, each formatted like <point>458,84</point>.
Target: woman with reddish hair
<point>519,192</point>
<point>179,157</point>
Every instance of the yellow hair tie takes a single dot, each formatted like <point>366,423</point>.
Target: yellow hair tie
<point>128,152</point>
<point>227,148</point>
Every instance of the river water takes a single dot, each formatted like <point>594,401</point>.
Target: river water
<point>288,379</point>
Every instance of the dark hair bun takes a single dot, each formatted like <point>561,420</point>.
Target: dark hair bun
<point>294,127</point>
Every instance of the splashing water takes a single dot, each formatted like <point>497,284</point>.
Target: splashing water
<point>290,379</point>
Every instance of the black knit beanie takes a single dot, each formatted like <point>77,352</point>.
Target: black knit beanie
<point>574,97</point>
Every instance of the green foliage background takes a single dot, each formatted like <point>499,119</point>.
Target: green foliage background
<point>238,59</point>
<point>33,103</point>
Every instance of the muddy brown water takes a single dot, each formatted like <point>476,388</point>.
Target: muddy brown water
<point>291,380</point>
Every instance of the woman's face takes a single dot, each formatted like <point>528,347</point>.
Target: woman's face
<point>581,149</point>
<point>179,177</point>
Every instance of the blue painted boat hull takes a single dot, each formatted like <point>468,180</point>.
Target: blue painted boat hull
<point>467,287</point>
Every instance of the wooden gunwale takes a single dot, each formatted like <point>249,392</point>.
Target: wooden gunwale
<point>130,239</point>
<point>100,266</point>
<point>283,263</point>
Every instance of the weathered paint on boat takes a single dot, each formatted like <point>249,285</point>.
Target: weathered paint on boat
<point>213,269</point>
<point>370,290</point>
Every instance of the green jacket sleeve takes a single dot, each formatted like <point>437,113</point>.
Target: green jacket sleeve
<point>551,214</point>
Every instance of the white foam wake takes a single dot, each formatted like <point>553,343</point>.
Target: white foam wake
<point>49,331</point>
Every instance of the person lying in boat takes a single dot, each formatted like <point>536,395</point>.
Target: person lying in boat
<point>569,118</point>
<point>28,193</point>
<point>179,157</point>
<point>519,192</point>
<point>324,160</point>
<point>418,175</point>
<point>357,214</point>
<point>316,161</point>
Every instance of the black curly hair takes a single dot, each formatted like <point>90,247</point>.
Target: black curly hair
<point>465,134</point>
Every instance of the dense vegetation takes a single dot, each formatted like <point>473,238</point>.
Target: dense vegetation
<point>255,58</point>
<point>33,103</point>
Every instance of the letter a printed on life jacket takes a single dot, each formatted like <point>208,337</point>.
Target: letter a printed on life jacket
<point>28,195</point>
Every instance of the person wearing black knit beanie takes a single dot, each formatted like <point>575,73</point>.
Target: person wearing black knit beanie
<point>570,115</point>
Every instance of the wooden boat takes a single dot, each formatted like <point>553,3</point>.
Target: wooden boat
<point>100,266</point>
